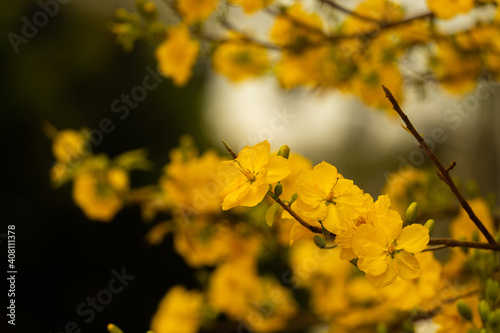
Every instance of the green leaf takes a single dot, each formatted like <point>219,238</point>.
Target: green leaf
<point>271,213</point>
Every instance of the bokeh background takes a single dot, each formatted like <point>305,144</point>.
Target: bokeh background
<point>70,73</point>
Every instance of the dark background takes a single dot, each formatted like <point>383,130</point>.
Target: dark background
<point>68,74</point>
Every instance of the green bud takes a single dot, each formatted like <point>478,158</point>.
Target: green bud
<point>112,328</point>
<point>411,212</point>
<point>319,241</point>
<point>475,236</point>
<point>494,318</point>
<point>492,291</point>
<point>484,310</point>
<point>430,225</point>
<point>464,310</point>
<point>284,151</point>
<point>294,197</point>
<point>278,189</point>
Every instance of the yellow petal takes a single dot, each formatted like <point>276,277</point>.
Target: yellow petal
<point>277,169</point>
<point>373,265</point>
<point>413,238</point>
<point>385,278</point>
<point>256,157</point>
<point>234,192</point>
<point>368,241</point>
<point>254,196</point>
<point>406,265</point>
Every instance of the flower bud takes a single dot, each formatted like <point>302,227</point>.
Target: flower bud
<point>484,310</point>
<point>319,241</point>
<point>229,150</point>
<point>411,212</point>
<point>112,328</point>
<point>278,189</point>
<point>430,225</point>
<point>494,319</point>
<point>492,290</point>
<point>464,310</point>
<point>284,151</point>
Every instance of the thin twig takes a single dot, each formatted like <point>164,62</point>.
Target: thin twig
<point>312,228</point>
<point>443,172</point>
<point>349,12</point>
<point>448,242</point>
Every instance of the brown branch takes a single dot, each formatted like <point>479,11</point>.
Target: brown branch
<point>442,171</point>
<point>348,11</point>
<point>448,242</point>
<point>312,228</point>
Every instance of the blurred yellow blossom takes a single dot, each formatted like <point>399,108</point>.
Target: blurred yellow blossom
<point>446,9</point>
<point>239,59</point>
<point>251,6</point>
<point>286,31</point>
<point>69,146</point>
<point>177,54</point>
<point>100,194</point>
<point>178,312</point>
<point>196,10</point>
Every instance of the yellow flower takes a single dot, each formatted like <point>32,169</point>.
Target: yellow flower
<point>196,10</point>
<point>251,6</point>
<point>287,33</point>
<point>450,320</point>
<point>230,291</point>
<point>190,183</point>
<point>377,214</point>
<point>178,312</point>
<point>270,307</point>
<point>462,226</point>
<point>100,194</point>
<point>177,54</point>
<point>239,59</point>
<point>457,70</point>
<point>323,194</point>
<point>422,292</point>
<point>68,146</point>
<point>249,175</point>
<point>385,254</point>
<point>446,9</point>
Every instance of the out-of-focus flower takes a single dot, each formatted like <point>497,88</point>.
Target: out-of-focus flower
<point>178,312</point>
<point>446,9</point>
<point>177,54</point>
<point>100,194</point>
<point>196,10</point>
<point>239,59</point>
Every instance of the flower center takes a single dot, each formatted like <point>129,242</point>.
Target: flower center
<point>392,248</point>
<point>246,172</point>
<point>331,196</point>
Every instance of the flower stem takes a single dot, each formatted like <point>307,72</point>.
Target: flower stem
<point>314,229</point>
<point>442,172</point>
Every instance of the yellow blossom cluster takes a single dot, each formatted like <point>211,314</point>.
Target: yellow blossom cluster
<point>100,185</point>
<point>327,46</point>
<point>229,216</point>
